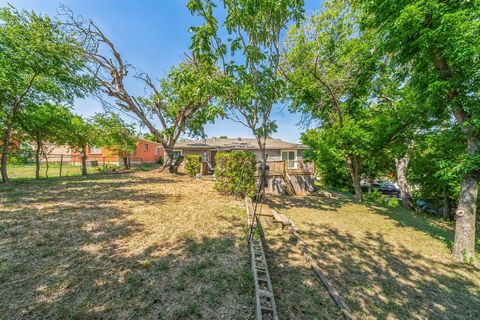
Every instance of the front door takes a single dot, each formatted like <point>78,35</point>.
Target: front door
<point>289,158</point>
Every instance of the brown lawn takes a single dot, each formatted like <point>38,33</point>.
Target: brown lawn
<point>123,246</point>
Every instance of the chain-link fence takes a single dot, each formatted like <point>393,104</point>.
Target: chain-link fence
<point>23,166</point>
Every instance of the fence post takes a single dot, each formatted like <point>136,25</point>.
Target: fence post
<point>61,165</point>
<point>141,163</point>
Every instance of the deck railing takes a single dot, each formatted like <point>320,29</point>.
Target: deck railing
<point>280,167</point>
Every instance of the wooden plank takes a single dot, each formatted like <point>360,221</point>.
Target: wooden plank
<point>280,218</point>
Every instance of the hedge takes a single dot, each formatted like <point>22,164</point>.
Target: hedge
<point>235,173</point>
<point>192,164</point>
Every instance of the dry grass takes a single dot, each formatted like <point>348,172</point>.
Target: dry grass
<point>298,293</point>
<point>123,246</point>
<point>387,263</point>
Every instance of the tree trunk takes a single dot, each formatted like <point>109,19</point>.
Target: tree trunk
<point>446,204</point>
<point>464,244</point>
<point>125,162</point>
<point>402,167</point>
<point>176,164</point>
<point>6,145</point>
<point>354,169</point>
<point>47,165</point>
<point>37,159</point>
<point>168,160</point>
<point>84,161</point>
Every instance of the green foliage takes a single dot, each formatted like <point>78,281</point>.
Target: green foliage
<point>80,133</point>
<point>393,202</point>
<point>375,196</point>
<point>192,164</point>
<point>39,59</point>
<point>45,123</point>
<point>24,154</point>
<point>329,162</point>
<point>185,94</point>
<point>235,173</point>
<point>113,133</point>
<point>247,50</point>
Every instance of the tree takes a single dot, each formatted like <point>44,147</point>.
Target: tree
<point>329,67</point>
<point>39,62</point>
<point>249,56</point>
<point>436,160</point>
<point>116,135</point>
<point>79,135</point>
<point>180,102</point>
<point>437,41</point>
<point>44,123</point>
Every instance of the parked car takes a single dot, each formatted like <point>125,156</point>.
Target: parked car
<point>388,188</point>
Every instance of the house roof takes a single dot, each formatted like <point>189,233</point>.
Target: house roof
<point>235,144</point>
<point>142,140</point>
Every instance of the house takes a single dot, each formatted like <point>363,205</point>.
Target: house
<point>146,152</point>
<point>276,149</point>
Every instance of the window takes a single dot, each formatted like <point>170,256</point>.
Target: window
<point>95,150</point>
<point>157,151</point>
<point>176,154</point>
<point>289,157</point>
<point>145,147</point>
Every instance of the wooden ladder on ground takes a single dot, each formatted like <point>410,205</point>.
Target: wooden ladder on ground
<point>265,307</point>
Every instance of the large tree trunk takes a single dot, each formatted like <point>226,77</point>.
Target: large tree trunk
<point>125,162</point>
<point>464,244</point>
<point>354,169</point>
<point>84,161</point>
<point>37,159</point>
<point>402,167</point>
<point>446,204</point>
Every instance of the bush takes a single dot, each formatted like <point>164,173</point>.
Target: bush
<point>235,173</point>
<point>192,164</point>
<point>160,161</point>
<point>374,196</point>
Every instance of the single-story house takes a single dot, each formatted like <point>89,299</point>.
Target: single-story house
<point>146,152</point>
<point>276,149</point>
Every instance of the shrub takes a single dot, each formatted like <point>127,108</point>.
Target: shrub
<point>235,173</point>
<point>160,161</point>
<point>374,196</point>
<point>192,164</point>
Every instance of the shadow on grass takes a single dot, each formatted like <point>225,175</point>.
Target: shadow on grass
<point>383,281</point>
<point>311,202</point>
<point>435,227</point>
<point>77,261</point>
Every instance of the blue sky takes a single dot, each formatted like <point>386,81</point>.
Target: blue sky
<point>153,35</point>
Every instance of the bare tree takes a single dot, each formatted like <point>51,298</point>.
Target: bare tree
<point>176,109</point>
